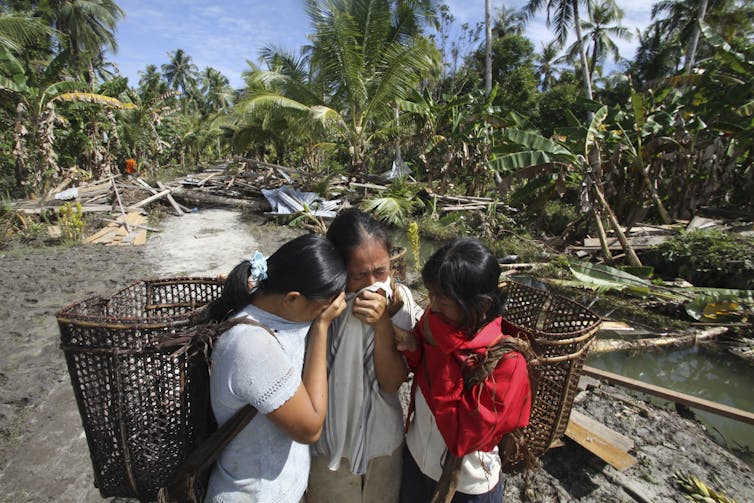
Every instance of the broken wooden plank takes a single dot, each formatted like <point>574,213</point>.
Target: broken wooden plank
<point>616,326</point>
<point>150,199</point>
<point>140,238</point>
<point>100,233</point>
<point>117,197</point>
<point>96,208</point>
<point>372,186</point>
<point>178,210</point>
<point>107,236</point>
<point>607,345</point>
<point>618,439</point>
<point>600,441</point>
<point>204,180</point>
<point>673,396</point>
<point>464,207</point>
<point>137,226</point>
<point>635,241</point>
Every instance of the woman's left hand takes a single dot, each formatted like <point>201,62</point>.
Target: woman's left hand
<point>370,307</point>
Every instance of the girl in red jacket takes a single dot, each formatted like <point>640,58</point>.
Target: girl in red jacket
<point>447,416</point>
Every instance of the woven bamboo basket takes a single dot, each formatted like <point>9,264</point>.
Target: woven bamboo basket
<point>560,332</point>
<point>142,406</point>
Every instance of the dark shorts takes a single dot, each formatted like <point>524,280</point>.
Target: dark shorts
<point>418,488</point>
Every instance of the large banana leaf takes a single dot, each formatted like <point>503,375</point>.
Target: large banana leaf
<point>610,278</point>
<point>519,160</point>
<point>535,142</point>
<point>594,129</point>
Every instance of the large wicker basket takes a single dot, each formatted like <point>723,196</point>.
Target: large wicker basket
<point>560,332</point>
<point>143,408</point>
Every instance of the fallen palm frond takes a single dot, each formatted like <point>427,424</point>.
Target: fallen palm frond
<point>696,490</point>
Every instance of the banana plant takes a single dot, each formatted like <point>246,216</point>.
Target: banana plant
<point>36,100</point>
<point>550,166</point>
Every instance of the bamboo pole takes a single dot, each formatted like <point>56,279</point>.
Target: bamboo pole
<point>120,205</point>
<point>673,396</point>
<point>633,259</point>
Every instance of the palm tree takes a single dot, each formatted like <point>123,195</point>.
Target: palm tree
<point>566,14</point>
<point>18,32</point>
<point>487,48</point>
<point>361,65</point>
<point>151,83</point>
<point>599,33</point>
<point>215,89</point>
<point>547,64</point>
<point>89,26</point>
<point>658,54</point>
<point>180,71</point>
<point>508,21</point>
<point>683,18</point>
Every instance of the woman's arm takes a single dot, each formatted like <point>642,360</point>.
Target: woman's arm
<point>303,415</point>
<point>389,365</point>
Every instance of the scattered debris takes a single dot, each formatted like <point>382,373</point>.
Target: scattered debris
<point>128,230</point>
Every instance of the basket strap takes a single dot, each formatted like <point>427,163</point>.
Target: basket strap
<point>182,488</point>
<point>201,458</point>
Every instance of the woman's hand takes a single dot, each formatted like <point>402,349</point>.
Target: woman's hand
<point>370,307</point>
<point>333,310</point>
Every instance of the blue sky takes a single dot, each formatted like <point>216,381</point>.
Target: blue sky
<point>224,34</point>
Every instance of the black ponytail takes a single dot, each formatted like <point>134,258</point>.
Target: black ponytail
<point>308,264</point>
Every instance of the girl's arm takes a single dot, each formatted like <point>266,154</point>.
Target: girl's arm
<point>389,365</point>
<point>303,415</point>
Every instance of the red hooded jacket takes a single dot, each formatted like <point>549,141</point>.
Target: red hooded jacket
<point>473,419</point>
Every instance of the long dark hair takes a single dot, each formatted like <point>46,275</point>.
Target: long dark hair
<point>465,270</point>
<point>308,264</point>
<point>352,227</point>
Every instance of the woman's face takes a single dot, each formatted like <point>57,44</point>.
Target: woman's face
<point>446,306</point>
<point>368,264</point>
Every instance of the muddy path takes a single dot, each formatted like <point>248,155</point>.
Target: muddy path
<point>43,450</point>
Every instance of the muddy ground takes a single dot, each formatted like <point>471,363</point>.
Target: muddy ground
<point>43,450</point>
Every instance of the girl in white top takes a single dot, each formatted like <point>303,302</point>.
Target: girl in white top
<point>296,293</point>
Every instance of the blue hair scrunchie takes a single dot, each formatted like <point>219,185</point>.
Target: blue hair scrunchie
<point>258,269</point>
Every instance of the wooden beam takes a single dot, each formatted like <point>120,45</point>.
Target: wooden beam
<point>619,440</point>
<point>673,396</point>
<point>148,200</point>
<point>600,441</point>
<point>178,210</point>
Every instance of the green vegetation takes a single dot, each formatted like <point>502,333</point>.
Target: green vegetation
<point>569,146</point>
<point>71,222</point>
<point>708,258</point>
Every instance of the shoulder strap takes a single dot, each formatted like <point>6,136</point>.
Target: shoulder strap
<point>183,486</point>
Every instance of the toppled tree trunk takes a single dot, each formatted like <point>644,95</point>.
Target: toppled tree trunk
<point>196,198</point>
<point>609,345</point>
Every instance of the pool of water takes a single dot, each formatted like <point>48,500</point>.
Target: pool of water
<point>702,372</point>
